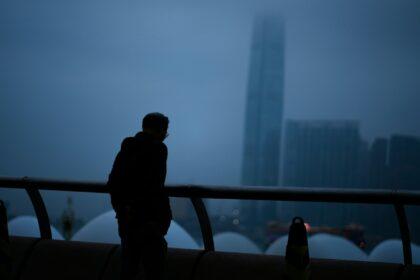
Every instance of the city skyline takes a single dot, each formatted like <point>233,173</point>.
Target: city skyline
<point>73,89</point>
<point>97,79</point>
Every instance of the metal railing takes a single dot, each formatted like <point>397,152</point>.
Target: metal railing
<point>196,193</point>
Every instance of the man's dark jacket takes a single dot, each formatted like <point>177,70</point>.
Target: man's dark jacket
<point>137,180</point>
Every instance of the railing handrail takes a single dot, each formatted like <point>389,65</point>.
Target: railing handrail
<point>315,194</point>
<point>398,198</point>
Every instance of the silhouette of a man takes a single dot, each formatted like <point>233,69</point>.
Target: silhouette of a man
<point>136,185</point>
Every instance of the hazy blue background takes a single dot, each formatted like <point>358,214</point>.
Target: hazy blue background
<point>76,77</point>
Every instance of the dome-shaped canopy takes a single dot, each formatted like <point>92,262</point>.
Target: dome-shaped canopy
<point>278,247</point>
<point>391,251</point>
<point>388,251</point>
<point>234,242</point>
<point>323,246</point>
<point>327,246</point>
<point>28,226</point>
<point>104,229</point>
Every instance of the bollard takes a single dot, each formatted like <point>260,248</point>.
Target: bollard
<point>297,253</point>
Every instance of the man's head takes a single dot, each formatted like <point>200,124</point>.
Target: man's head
<point>156,124</point>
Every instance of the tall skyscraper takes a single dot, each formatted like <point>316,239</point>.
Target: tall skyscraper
<point>264,113</point>
<point>264,106</point>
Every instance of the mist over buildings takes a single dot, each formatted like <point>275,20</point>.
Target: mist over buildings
<point>76,78</point>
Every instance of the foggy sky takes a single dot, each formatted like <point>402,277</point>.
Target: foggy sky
<point>77,77</point>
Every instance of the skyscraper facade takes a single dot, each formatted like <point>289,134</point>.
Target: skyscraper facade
<point>404,162</point>
<point>322,154</point>
<point>264,105</point>
<point>264,113</point>
<point>378,164</point>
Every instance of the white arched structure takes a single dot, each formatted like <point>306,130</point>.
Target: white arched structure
<point>234,242</point>
<point>327,246</point>
<point>391,251</point>
<point>278,247</point>
<point>323,246</point>
<point>28,226</point>
<point>104,229</point>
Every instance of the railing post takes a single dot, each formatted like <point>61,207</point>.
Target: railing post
<point>205,226</point>
<point>404,232</point>
<point>40,211</point>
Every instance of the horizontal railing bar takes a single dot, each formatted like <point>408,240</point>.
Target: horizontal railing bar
<point>345,195</point>
<point>53,185</point>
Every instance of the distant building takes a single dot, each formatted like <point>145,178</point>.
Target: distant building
<point>322,154</point>
<point>404,165</point>
<point>404,162</point>
<point>378,164</point>
<point>264,113</point>
<point>264,105</point>
<point>393,164</point>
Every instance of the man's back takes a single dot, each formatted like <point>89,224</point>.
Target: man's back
<point>137,179</point>
<point>136,184</point>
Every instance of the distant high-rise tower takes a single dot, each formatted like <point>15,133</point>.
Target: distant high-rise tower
<point>264,106</point>
<point>263,119</point>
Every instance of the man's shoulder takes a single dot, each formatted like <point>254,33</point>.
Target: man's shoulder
<point>132,142</point>
<point>128,143</point>
<point>160,148</point>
